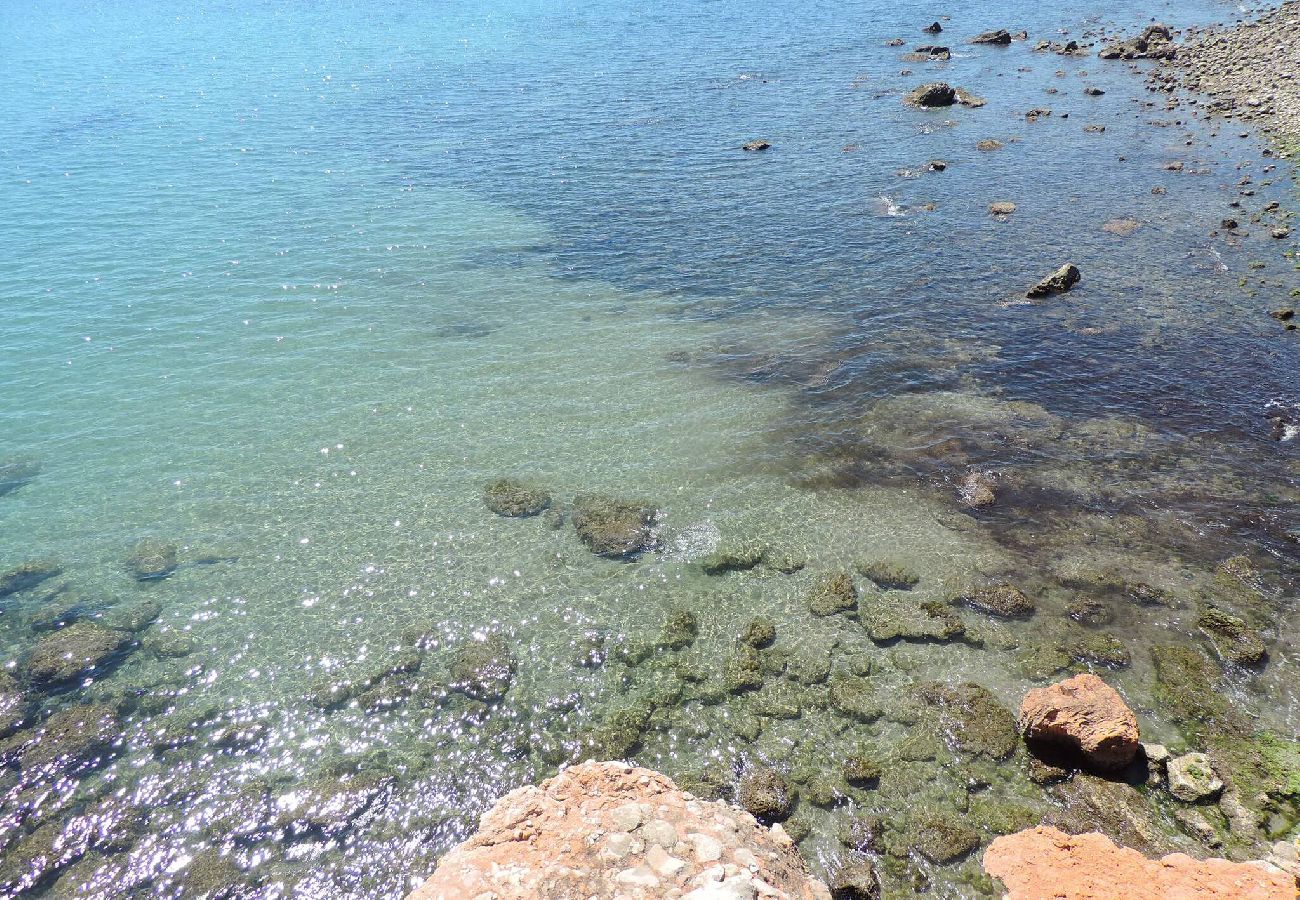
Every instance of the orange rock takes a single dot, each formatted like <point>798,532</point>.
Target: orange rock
<point>1045,863</point>
<point>1082,714</point>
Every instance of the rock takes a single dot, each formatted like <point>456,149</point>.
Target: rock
<point>862,770</point>
<point>679,630</point>
<point>514,499</point>
<point>1060,281</point>
<point>151,560</point>
<point>615,529</point>
<point>755,146</point>
<point>1121,227</point>
<point>483,670</point>
<point>759,633</point>
<point>976,488</point>
<point>933,28</point>
<point>998,208</point>
<point>1082,715</point>
<point>1038,112</point>
<point>889,576</point>
<point>855,698</point>
<point>81,648</point>
<point>937,165</point>
<point>1099,649</point>
<point>16,472</point>
<point>971,719</point>
<point>70,738</point>
<point>13,704</point>
<point>169,644</point>
<point>1045,862</point>
<point>833,594</point>
<point>855,880</point>
<point>135,617</point>
<point>988,144</point>
<point>28,575</point>
<point>936,93</point>
<point>1090,611</point>
<point>579,845</point>
<point>1233,639</point>
<point>967,98</point>
<point>1192,778</point>
<point>210,875</point>
<point>1004,600</point>
<point>892,617</point>
<point>1000,36</point>
<point>930,53</point>
<point>765,795</point>
<point>942,837</point>
<point>1093,91</point>
<point>732,559</point>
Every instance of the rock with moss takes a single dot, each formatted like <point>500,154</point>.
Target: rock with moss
<point>1004,600</point>
<point>971,718</point>
<point>833,594</point>
<point>171,643</point>
<point>1234,640</point>
<point>708,782</point>
<point>743,670</point>
<point>942,836</point>
<point>1002,815</point>
<point>135,616</point>
<point>732,558</point>
<point>680,629</point>
<point>513,498</point>
<point>31,860</point>
<point>13,704</point>
<point>210,875</point>
<point>778,700</point>
<point>60,608</point>
<point>332,804</point>
<point>70,739</point>
<point>1042,661</point>
<point>79,649</point>
<point>808,665</point>
<point>821,789</point>
<point>1099,649</point>
<point>1239,568</point>
<point>759,632</point>
<point>766,795</point>
<point>1187,689</point>
<point>28,575</point>
<point>1090,611</point>
<point>889,576</point>
<point>864,833</point>
<point>894,617</point>
<point>862,769</point>
<point>618,736</point>
<point>483,670</point>
<point>855,879</point>
<point>613,528</point>
<point>855,698</point>
<point>152,560</point>
<point>786,562</point>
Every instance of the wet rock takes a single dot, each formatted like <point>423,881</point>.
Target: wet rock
<point>28,575</point>
<point>1038,112</point>
<point>612,528</point>
<point>170,644</point>
<point>889,576</point>
<point>934,94</point>
<point>1192,778</point>
<point>513,498</point>
<point>151,560</point>
<point>1090,611</point>
<point>1060,281</point>
<point>13,704</point>
<point>998,208</point>
<point>1186,686</point>
<point>988,144</point>
<point>680,630</point>
<point>855,698</point>
<point>967,98</point>
<point>933,28</point>
<point>1085,716</point>
<point>971,718</point>
<point>1099,649</point>
<point>787,562</point>
<point>999,36</point>
<point>135,617</point>
<point>755,146</point>
<point>1004,600</point>
<point>892,617</point>
<point>81,648</point>
<point>70,738</point>
<point>1121,227</point>
<point>976,488</point>
<point>765,794</point>
<point>483,670</point>
<point>937,165</point>
<point>732,559</point>
<point>61,609</point>
<point>743,670</point>
<point>832,594</point>
<point>759,633</point>
<point>1233,639</point>
<point>15,472</point>
<point>334,804</point>
<point>942,837</point>
<point>809,665</point>
<point>855,880</point>
<point>929,53</point>
<point>862,770</point>
<point>1093,91</point>
<point>34,858</point>
<point>209,875</point>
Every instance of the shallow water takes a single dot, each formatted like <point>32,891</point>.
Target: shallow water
<point>287,285</point>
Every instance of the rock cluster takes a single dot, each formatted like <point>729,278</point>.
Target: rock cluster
<point>605,830</point>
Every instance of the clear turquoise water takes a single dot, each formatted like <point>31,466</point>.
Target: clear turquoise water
<point>287,284</point>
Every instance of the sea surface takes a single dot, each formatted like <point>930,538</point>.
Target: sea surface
<point>285,285</point>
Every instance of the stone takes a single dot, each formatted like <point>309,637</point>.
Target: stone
<point>1002,208</point>
<point>80,648</point>
<point>755,146</point>
<point>889,576</point>
<point>1045,862</point>
<point>833,594</point>
<point>1090,611</point>
<point>862,770</point>
<point>999,36</point>
<point>613,528</point>
<point>483,670</point>
<point>680,630</point>
<point>933,28</point>
<point>1060,281</point>
<point>971,718</point>
<point>855,880</point>
<point>13,704</point>
<point>740,558</point>
<point>893,617</point>
<point>759,633</point>
<point>16,472</point>
<point>152,560</point>
<point>1121,227</point>
<point>988,144</point>
<point>1002,599</point>
<point>942,837</point>
<point>854,698</point>
<point>966,98</point>
<point>69,739</point>
<point>1099,649</point>
<point>135,617</point>
<point>512,498</point>
<point>765,794</point>
<point>1234,640</point>
<point>976,488</point>
<point>28,575</point>
<point>1192,778</point>
<point>930,95</point>
<point>1085,716</point>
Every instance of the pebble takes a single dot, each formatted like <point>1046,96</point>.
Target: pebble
<point>627,817</point>
<point>707,848</point>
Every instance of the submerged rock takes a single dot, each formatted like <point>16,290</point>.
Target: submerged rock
<point>942,837</point>
<point>70,738</point>
<point>136,617</point>
<point>971,718</point>
<point>976,488</point>
<point>759,633</point>
<point>151,560</point>
<point>892,617</point>
<point>765,794</point>
<point>16,472</point>
<point>833,594</point>
<point>13,705</point>
<point>1060,281</point>
<point>889,576</point>
<point>483,670</point>
<point>1233,639</point>
<point>515,499</point>
<point>936,93</point>
<point>755,146</point>
<point>78,649</point>
<point>1192,778</point>
<point>1099,649</point>
<point>28,575</point>
<point>679,630</point>
<point>1085,716</point>
<point>1005,600</point>
<point>732,559</point>
<point>855,880</point>
<point>997,36</point>
<point>615,529</point>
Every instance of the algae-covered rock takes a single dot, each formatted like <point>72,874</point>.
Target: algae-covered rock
<point>743,670</point>
<point>169,644</point>
<point>942,836</point>
<point>889,576</point>
<point>612,528</point>
<point>854,698</point>
<point>1099,649</point>
<point>855,880</point>
<point>515,499</point>
<point>759,632</point>
<point>680,629</point>
<point>71,737</point>
<point>151,560</point>
<point>778,700</point>
<point>864,833</point>
<point>733,558</point>
<point>785,561</point>
<point>808,665</point>
<point>821,789</point>
<point>1186,687</point>
<point>483,670</point>
<point>209,875</point>
<point>1234,640</point>
<point>1042,661</point>
<point>333,804</point>
<point>862,769</point>
<point>1090,611</point>
<point>892,617</point>
<point>1005,600</point>
<point>618,736</point>
<point>13,704</point>
<point>1192,778</point>
<point>136,616</point>
<point>765,795</point>
<point>971,718</point>
<point>34,858</point>
<point>16,472</point>
<point>28,575</point>
<point>833,594</point>
<point>78,649</point>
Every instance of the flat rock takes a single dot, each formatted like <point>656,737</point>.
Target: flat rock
<point>1192,778</point>
<point>1085,716</point>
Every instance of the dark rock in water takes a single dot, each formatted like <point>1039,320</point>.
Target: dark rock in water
<point>967,98</point>
<point>759,633</point>
<point>833,594</point>
<point>743,670</point>
<point>1093,91</point>
<point>28,575</point>
<point>943,837</point>
<point>988,145</point>
<point>679,630</point>
<point>151,560</point>
<point>890,617</point>
<point>136,617</point>
<point>755,146</point>
<point>1005,600</point>
<point>889,576</point>
<point>1060,281</point>
<point>333,805</point>
<point>80,648</point>
<point>61,608</point>
<point>512,498</point>
<point>1038,112</point>
<point>1153,43</point>
<point>13,705</point>
<point>483,670</point>
<point>732,559</point>
<point>855,880</point>
<point>1089,611</point>
<point>862,770</point>
<point>934,94</point>
<point>938,165</point>
<point>72,737</point>
<point>999,36</point>
<point>170,644</point>
<point>933,28</point>
<point>213,876</point>
<point>615,529</point>
<point>855,698</point>
<point>618,737</point>
<point>1099,649</point>
<point>931,52</point>
<point>765,795</point>
<point>976,488</point>
<point>971,718</point>
<point>14,473</point>
<point>864,833</point>
<point>28,862</point>
<point>1233,639</point>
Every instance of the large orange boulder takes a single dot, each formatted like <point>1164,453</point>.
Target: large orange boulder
<point>1043,862</point>
<point>606,830</point>
<point>1082,715</point>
